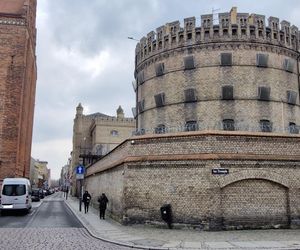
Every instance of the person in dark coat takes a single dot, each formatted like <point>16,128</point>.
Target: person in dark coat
<point>102,205</point>
<point>86,198</point>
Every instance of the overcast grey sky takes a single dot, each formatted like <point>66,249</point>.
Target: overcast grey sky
<point>83,55</point>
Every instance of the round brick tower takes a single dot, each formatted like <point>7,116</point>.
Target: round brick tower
<point>241,74</point>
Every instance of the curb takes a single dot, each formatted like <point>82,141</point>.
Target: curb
<point>112,241</point>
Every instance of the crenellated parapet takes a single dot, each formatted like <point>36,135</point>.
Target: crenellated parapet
<point>232,26</point>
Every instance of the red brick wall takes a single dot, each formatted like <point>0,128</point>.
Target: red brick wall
<point>17,90</point>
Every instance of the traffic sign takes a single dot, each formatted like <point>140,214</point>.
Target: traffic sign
<point>80,169</point>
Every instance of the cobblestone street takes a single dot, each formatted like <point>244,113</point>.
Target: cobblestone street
<point>51,238</point>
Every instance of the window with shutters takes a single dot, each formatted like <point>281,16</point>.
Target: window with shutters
<point>226,59</point>
<point>291,97</point>
<point>293,128</point>
<point>160,129</point>
<point>262,60</point>
<point>288,65</point>
<point>160,100</point>
<point>141,105</point>
<point>189,62</point>
<point>190,95</point>
<point>265,126</point>
<point>191,126</point>
<point>228,124</point>
<point>264,93</point>
<point>227,92</point>
<point>159,69</point>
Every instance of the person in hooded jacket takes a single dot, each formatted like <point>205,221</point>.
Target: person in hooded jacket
<point>102,205</point>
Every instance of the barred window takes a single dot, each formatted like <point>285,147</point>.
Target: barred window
<point>189,62</point>
<point>159,69</point>
<point>228,124</point>
<point>291,97</point>
<point>264,93</point>
<point>160,129</point>
<point>293,128</point>
<point>226,59</point>
<point>265,126</point>
<point>262,60</point>
<point>288,65</point>
<point>190,95</point>
<point>160,100</point>
<point>227,92</point>
<point>191,126</point>
<point>141,105</point>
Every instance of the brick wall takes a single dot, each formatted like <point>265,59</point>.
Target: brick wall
<point>17,88</point>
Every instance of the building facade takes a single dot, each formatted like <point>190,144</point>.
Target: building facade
<point>95,135</point>
<point>218,115</point>
<point>241,74</point>
<point>17,85</point>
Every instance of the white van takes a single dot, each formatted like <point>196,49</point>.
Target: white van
<point>15,194</point>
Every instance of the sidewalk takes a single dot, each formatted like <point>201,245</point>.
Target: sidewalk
<point>144,237</point>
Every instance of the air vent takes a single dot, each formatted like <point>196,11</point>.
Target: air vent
<point>262,60</point>
<point>291,97</point>
<point>159,69</point>
<point>190,95</point>
<point>226,59</point>
<point>227,92</point>
<point>189,62</point>
<point>264,93</point>
<point>160,100</point>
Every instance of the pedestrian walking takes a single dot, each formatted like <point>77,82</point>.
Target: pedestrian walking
<point>102,205</point>
<point>86,198</point>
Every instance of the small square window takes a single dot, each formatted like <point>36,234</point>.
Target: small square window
<point>265,126</point>
<point>190,95</point>
<point>189,62</point>
<point>140,77</point>
<point>226,59</point>
<point>262,60</point>
<point>114,133</point>
<point>160,100</point>
<point>288,65</point>
<point>227,92</point>
<point>228,124</point>
<point>291,97</point>
<point>159,69</point>
<point>264,93</point>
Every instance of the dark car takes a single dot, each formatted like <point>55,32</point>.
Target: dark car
<point>35,194</point>
<point>42,195</point>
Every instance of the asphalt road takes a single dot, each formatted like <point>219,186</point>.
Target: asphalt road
<point>50,224</point>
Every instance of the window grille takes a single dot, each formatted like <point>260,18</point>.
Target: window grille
<point>226,59</point>
<point>227,92</point>
<point>228,124</point>
<point>160,100</point>
<point>160,129</point>
<point>262,60</point>
<point>190,95</point>
<point>189,62</point>
<point>265,126</point>
<point>291,97</point>
<point>159,69</point>
<point>264,93</point>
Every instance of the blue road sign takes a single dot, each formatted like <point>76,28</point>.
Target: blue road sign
<point>80,169</point>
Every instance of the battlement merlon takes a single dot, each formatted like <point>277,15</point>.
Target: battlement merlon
<point>167,36</point>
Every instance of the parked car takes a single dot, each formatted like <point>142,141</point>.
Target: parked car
<point>35,194</point>
<point>42,195</point>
